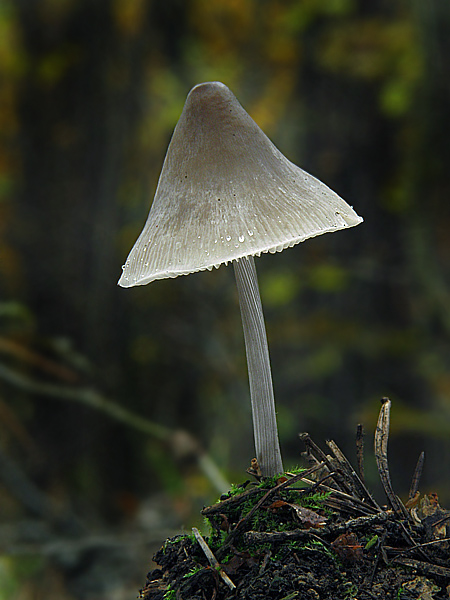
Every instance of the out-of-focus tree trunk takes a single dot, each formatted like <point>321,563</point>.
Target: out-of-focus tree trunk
<point>78,109</point>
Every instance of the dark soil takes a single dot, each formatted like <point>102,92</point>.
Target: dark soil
<point>311,535</point>
<point>363,558</point>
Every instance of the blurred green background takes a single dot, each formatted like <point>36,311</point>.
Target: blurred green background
<point>122,411</point>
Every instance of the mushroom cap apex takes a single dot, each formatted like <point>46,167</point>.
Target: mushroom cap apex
<point>209,86</point>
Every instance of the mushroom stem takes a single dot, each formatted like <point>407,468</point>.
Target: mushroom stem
<point>261,389</point>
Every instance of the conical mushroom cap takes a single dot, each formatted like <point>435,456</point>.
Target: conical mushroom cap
<point>226,192</point>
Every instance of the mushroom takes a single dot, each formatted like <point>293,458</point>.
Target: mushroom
<point>227,194</point>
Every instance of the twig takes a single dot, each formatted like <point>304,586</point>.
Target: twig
<point>47,365</point>
<point>361,506</point>
<point>381,443</point>
<point>264,562</point>
<point>345,482</point>
<point>347,505</point>
<point>298,534</point>
<point>314,485</point>
<point>438,523</point>
<point>417,546</point>
<point>358,487</point>
<point>416,476</point>
<point>313,451</point>
<point>360,451</point>
<point>407,536</point>
<point>269,537</point>
<point>425,567</point>
<point>361,522</point>
<point>212,559</point>
<point>336,499</point>
<point>233,500</point>
<point>86,396</point>
<point>239,498</point>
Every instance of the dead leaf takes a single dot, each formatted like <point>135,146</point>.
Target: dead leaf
<point>307,517</point>
<point>348,548</point>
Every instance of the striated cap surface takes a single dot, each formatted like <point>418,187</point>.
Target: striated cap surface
<point>225,191</point>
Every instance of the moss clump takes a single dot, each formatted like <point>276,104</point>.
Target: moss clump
<point>267,506</point>
<point>316,534</point>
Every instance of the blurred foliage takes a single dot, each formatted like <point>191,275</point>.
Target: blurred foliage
<point>357,93</point>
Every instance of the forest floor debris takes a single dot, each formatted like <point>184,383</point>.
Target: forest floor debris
<point>312,534</point>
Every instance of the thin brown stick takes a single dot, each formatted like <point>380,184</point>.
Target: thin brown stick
<point>360,451</point>
<point>438,523</point>
<point>313,485</point>
<point>275,537</point>
<point>381,443</point>
<point>360,505</point>
<point>212,559</point>
<point>242,497</point>
<point>358,487</point>
<point>407,536</point>
<point>314,451</point>
<point>298,534</point>
<point>36,359</point>
<point>424,567</point>
<point>233,500</point>
<point>313,448</point>
<point>347,506</point>
<point>416,476</point>
<point>432,543</point>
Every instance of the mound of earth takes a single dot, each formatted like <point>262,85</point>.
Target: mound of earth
<point>314,534</point>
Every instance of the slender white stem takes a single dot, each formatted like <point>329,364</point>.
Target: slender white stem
<point>261,389</point>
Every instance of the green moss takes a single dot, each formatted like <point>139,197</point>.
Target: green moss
<point>176,540</point>
<point>193,571</point>
<point>371,542</point>
<point>170,593</point>
<point>277,514</point>
<point>321,547</point>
